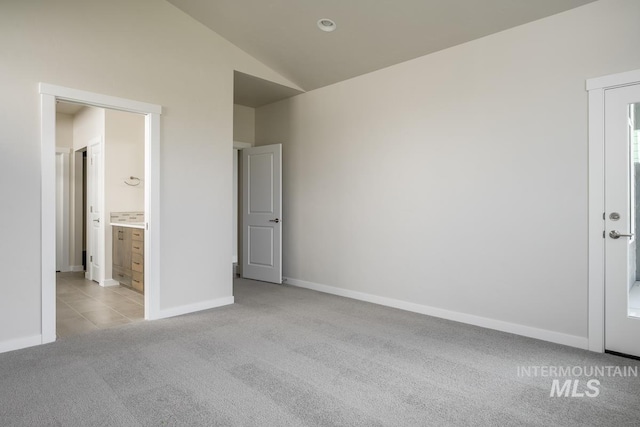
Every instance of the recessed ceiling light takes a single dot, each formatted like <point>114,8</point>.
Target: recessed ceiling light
<point>326,24</point>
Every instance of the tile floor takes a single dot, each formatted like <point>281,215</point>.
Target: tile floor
<point>84,306</point>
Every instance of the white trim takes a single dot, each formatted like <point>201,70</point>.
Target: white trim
<point>48,216</point>
<point>240,145</point>
<point>152,217</point>
<point>499,325</point>
<point>597,88</point>
<point>18,343</point>
<point>97,140</point>
<point>98,100</point>
<point>48,95</point>
<point>76,268</point>
<point>614,80</point>
<point>109,282</point>
<point>192,308</point>
<point>596,222</point>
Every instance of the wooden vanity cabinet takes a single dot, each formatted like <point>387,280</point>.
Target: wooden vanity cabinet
<point>121,255</point>
<point>128,257</point>
<point>137,259</point>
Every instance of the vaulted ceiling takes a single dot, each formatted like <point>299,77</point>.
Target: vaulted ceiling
<point>369,35</point>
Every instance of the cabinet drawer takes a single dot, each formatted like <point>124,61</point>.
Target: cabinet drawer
<point>137,247</point>
<point>137,281</point>
<point>137,234</point>
<point>122,275</point>
<point>137,263</point>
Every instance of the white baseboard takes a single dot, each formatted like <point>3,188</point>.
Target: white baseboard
<point>499,325</point>
<point>192,308</point>
<point>110,282</point>
<point>18,343</point>
<point>76,268</point>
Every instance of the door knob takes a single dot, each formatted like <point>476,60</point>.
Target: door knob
<point>96,220</point>
<point>277,220</point>
<point>616,235</point>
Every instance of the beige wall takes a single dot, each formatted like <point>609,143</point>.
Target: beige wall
<point>124,157</point>
<point>64,130</point>
<point>457,180</point>
<point>64,139</point>
<point>244,130</point>
<point>148,51</point>
<point>244,123</point>
<point>88,125</point>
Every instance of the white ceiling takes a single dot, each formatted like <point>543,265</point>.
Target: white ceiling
<point>370,34</point>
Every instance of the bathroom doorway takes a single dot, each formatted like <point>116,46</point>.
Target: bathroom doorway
<point>100,179</point>
<point>50,96</point>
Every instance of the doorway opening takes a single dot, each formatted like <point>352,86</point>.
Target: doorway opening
<point>257,210</point>
<point>50,96</point>
<point>249,94</point>
<point>94,280</point>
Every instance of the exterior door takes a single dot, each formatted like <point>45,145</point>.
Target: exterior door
<point>95,215</point>
<point>262,213</point>
<point>622,178</point>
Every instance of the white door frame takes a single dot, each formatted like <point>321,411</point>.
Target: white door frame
<point>597,88</point>
<point>49,94</point>
<point>92,187</point>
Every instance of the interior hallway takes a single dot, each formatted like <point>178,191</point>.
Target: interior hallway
<point>84,306</point>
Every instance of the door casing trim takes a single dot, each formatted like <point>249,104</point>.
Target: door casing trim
<point>597,88</point>
<point>49,94</point>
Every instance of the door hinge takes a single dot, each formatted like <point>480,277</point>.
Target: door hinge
<point>603,234</point>
<point>91,258</point>
<point>90,209</point>
<point>603,215</point>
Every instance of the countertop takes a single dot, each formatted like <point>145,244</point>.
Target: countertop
<point>139,225</point>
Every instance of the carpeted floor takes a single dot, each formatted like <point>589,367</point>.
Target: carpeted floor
<point>284,356</point>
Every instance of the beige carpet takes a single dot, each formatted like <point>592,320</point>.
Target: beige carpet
<point>285,356</point>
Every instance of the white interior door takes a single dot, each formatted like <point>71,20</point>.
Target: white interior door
<point>262,213</point>
<point>95,214</point>
<point>622,319</point>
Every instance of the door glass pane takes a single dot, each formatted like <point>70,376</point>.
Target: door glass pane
<point>634,137</point>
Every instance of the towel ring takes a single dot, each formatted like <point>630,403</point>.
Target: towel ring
<point>133,178</point>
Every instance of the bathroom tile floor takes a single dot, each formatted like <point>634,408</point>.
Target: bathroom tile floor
<point>84,306</point>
